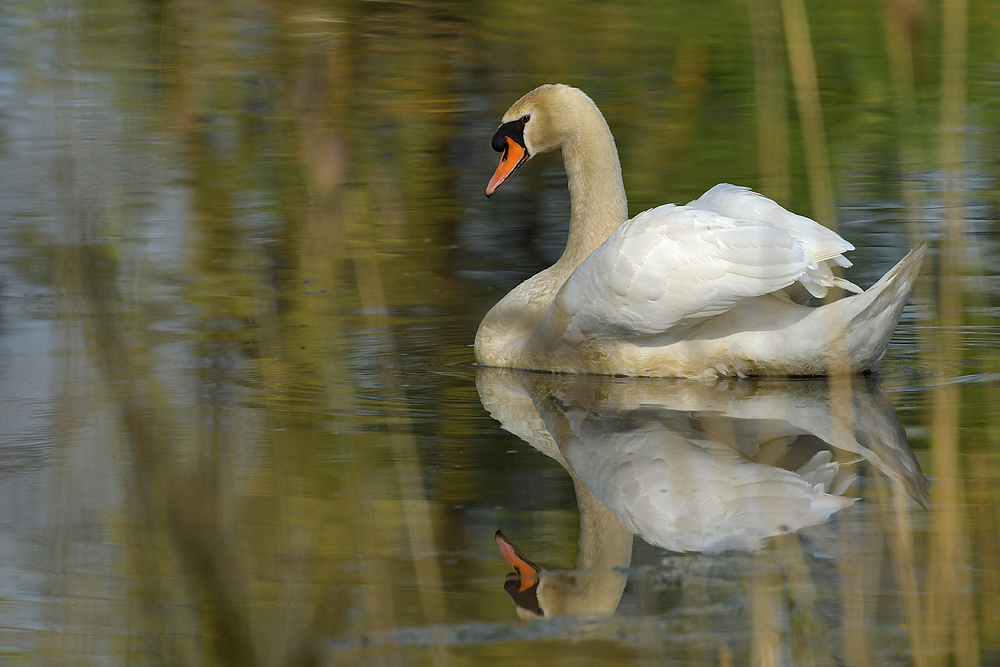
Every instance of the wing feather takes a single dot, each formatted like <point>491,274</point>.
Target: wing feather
<point>823,245</point>
<point>671,267</point>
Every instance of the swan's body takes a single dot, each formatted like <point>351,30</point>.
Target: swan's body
<point>701,289</point>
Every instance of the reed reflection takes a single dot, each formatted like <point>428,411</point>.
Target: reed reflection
<point>689,466</point>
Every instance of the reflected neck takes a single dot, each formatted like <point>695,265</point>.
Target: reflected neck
<point>605,543</point>
<point>603,557</point>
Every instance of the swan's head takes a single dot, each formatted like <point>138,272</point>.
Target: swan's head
<point>522,584</point>
<point>544,595</point>
<point>538,122</point>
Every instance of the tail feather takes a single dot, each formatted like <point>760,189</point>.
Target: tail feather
<point>873,315</point>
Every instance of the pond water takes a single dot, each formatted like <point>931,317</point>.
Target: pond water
<point>244,250</point>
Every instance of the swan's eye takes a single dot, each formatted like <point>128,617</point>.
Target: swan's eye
<point>525,118</point>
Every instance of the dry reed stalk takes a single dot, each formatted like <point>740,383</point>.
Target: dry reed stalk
<point>803,65</point>
<point>416,515</point>
<point>986,500</point>
<point>807,633</point>
<point>853,564</point>
<point>769,91</point>
<point>767,618</point>
<point>899,16</point>
<point>900,51</point>
<point>951,617</point>
<point>895,513</point>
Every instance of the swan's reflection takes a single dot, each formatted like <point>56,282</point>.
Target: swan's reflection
<point>689,466</point>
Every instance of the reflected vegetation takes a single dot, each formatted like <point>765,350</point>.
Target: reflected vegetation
<point>243,255</point>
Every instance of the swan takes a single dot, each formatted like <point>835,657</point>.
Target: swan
<point>711,288</point>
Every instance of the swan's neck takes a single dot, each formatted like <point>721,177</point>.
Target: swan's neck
<point>597,193</point>
<point>605,544</point>
<point>605,552</point>
<point>597,207</point>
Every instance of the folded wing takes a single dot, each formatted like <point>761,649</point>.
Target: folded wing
<point>823,245</point>
<point>674,266</point>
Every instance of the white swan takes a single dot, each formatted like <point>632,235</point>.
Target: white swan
<point>696,290</point>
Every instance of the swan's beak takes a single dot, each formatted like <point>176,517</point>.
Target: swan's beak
<point>514,154</point>
<point>522,583</point>
<point>525,571</point>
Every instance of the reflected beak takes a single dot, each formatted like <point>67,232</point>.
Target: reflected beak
<point>513,155</point>
<point>525,571</point>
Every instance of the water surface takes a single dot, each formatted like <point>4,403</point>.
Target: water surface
<point>244,251</point>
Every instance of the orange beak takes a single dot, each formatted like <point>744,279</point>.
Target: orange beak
<point>513,155</point>
<point>526,571</point>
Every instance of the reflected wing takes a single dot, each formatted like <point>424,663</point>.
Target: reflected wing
<point>671,267</point>
<point>680,489</point>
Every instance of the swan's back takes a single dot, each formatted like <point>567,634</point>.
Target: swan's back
<point>673,266</point>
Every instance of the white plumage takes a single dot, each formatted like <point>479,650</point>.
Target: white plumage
<point>824,246</point>
<point>701,466</point>
<point>710,288</point>
<point>673,266</point>
<point>694,465</point>
<point>684,491</point>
